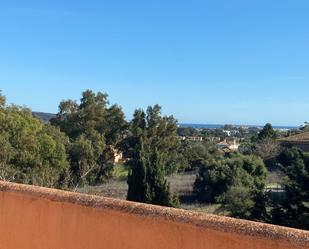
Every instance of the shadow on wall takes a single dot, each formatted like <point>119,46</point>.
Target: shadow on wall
<point>40,218</point>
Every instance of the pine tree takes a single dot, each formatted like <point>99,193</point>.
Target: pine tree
<point>267,132</point>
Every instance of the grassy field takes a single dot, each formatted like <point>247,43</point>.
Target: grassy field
<point>181,185</point>
<point>120,172</point>
<point>117,187</point>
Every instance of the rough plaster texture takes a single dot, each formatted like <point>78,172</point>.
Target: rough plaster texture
<point>40,218</point>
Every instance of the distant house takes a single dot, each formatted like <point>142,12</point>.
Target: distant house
<point>300,141</point>
<point>118,156</point>
<point>189,138</point>
<point>227,146</point>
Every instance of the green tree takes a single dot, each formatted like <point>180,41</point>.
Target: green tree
<point>247,148</point>
<point>187,132</point>
<point>234,181</point>
<point>85,153</point>
<point>239,201</point>
<point>213,179</point>
<point>195,153</point>
<point>53,167</point>
<point>267,132</point>
<point>95,129</point>
<point>2,100</point>
<point>31,152</point>
<point>267,147</point>
<point>149,149</point>
<point>294,209</point>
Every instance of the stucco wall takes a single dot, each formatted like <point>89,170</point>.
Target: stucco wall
<point>39,218</point>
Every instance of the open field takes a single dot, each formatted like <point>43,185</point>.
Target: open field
<point>181,184</point>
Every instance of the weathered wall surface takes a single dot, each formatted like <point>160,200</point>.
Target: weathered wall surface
<point>39,218</point>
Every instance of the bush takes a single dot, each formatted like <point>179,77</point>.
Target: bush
<point>235,181</point>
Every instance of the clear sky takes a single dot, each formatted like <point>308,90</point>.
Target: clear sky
<point>204,61</point>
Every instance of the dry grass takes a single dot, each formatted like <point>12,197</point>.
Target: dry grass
<point>181,185</point>
<point>114,189</point>
<point>205,208</point>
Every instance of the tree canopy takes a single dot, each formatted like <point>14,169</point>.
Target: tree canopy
<point>94,129</point>
<point>150,149</point>
<point>267,132</point>
<point>294,209</point>
<point>237,182</point>
<point>31,152</point>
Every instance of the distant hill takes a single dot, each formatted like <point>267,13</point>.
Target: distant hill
<point>45,117</point>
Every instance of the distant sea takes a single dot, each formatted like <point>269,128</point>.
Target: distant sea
<point>217,126</point>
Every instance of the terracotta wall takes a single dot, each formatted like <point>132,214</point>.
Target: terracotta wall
<point>39,218</point>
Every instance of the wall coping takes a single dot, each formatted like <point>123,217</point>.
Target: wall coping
<point>200,220</point>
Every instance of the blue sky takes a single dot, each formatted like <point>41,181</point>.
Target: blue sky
<point>204,61</point>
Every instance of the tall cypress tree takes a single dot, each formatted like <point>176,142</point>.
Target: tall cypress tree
<point>138,189</point>
<point>147,149</point>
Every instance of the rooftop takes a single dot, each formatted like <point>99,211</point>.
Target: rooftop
<point>299,138</point>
